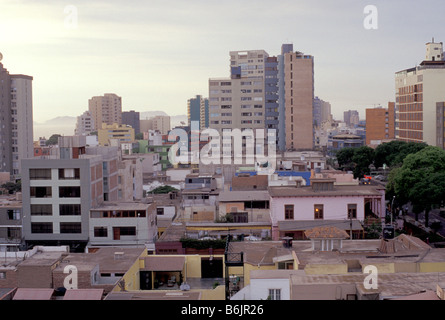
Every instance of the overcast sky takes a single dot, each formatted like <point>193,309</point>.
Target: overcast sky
<point>158,54</point>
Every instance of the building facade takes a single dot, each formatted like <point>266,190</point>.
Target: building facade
<point>16,121</point>
<point>85,124</point>
<point>106,109</point>
<point>418,90</point>
<point>132,118</point>
<point>123,133</point>
<point>380,124</point>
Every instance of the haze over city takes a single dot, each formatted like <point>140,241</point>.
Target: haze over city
<point>158,54</point>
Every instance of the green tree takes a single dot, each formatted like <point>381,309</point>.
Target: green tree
<point>393,153</point>
<point>53,140</point>
<point>420,180</point>
<point>363,157</point>
<point>344,158</point>
<point>163,189</point>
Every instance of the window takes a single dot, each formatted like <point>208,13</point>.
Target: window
<point>127,231</point>
<point>160,211</point>
<point>69,210</point>
<point>2,275</point>
<point>318,211</point>
<point>40,192</point>
<point>70,227</point>
<point>14,214</point>
<point>69,192</point>
<point>41,209</point>
<point>41,227</point>
<point>40,174</point>
<point>69,174</point>
<point>275,294</point>
<point>352,211</point>
<point>289,212</point>
<point>100,232</point>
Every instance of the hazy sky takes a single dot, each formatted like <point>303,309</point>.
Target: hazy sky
<point>158,54</point>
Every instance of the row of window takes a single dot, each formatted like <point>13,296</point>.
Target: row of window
<point>318,211</point>
<point>45,174</point>
<point>64,209</point>
<point>46,192</point>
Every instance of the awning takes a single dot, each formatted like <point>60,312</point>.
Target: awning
<point>33,294</point>
<point>83,294</point>
<point>303,225</point>
<point>164,264</point>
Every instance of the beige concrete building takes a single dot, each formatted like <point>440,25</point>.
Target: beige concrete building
<point>418,90</point>
<point>157,123</point>
<point>123,133</point>
<point>299,96</point>
<point>106,109</point>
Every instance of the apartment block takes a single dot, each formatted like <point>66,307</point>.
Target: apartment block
<point>198,111</point>
<point>418,90</point>
<point>380,124</point>
<point>122,133</point>
<point>299,96</point>
<point>351,118</point>
<point>440,125</point>
<point>85,124</point>
<point>132,118</point>
<point>16,121</point>
<point>106,109</point>
<point>11,237</point>
<point>59,190</point>
<point>157,123</point>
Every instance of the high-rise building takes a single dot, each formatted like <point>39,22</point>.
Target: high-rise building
<point>106,109</point>
<point>16,121</point>
<point>161,124</point>
<point>132,119</point>
<point>351,118</point>
<point>198,111</point>
<point>380,124</point>
<point>322,112</point>
<point>238,101</point>
<point>299,97</point>
<point>85,124</point>
<point>418,90</point>
<point>267,92</point>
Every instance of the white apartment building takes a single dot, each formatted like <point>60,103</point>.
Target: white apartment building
<point>418,90</point>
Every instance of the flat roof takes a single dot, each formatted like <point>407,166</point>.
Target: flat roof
<point>121,206</point>
<point>257,195</point>
<point>303,225</point>
<point>339,190</point>
<point>155,295</point>
<point>83,294</point>
<point>164,263</point>
<point>33,294</point>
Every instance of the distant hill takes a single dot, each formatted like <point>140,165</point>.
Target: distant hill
<point>65,125</point>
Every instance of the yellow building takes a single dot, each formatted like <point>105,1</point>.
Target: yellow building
<point>122,133</point>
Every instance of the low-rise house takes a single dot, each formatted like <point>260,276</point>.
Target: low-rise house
<point>123,224</point>
<point>324,203</point>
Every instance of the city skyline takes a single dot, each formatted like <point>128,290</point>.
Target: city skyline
<point>140,52</point>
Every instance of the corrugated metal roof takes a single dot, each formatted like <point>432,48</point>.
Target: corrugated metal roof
<point>83,294</point>
<point>33,294</point>
<point>164,264</point>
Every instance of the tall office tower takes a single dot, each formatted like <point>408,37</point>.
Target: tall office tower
<point>204,117</point>
<point>16,121</point>
<point>85,124</point>
<point>198,111</point>
<point>322,112</point>
<point>271,96</point>
<point>380,124</point>
<point>106,109</point>
<point>351,117</point>
<point>238,102</point>
<point>418,90</point>
<point>132,119</point>
<point>299,97</point>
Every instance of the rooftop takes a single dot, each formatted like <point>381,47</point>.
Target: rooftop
<point>338,190</point>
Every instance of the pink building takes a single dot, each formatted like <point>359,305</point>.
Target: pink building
<point>296,209</point>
